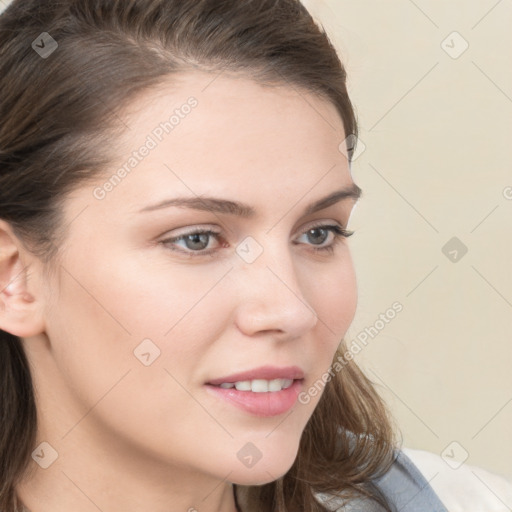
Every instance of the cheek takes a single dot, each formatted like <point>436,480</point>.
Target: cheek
<point>335,302</point>
<point>128,344</point>
<point>333,294</point>
<point>144,315</point>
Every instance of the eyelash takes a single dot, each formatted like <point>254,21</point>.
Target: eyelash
<point>339,234</point>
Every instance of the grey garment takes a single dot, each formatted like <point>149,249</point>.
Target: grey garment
<point>403,486</point>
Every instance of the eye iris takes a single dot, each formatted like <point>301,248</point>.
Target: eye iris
<point>313,238</point>
<point>201,238</point>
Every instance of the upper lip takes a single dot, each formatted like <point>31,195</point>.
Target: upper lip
<point>263,372</point>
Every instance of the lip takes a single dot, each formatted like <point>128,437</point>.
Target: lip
<point>271,403</point>
<point>263,372</point>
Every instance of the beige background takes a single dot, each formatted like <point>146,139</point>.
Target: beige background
<point>437,131</point>
<point>437,164</point>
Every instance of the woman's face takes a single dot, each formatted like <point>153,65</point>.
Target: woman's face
<point>138,324</point>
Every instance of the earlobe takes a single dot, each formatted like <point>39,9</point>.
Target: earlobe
<point>20,309</point>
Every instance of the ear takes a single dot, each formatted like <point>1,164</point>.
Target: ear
<point>20,304</point>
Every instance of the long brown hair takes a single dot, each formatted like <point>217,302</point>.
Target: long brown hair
<point>57,110</point>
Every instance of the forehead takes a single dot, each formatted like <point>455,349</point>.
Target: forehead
<point>209,134</point>
<point>230,110</point>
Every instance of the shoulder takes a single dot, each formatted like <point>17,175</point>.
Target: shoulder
<point>403,486</point>
<point>462,488</point>
<point>420,480</point>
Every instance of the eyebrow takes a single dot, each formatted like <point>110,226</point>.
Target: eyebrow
<point>225,206</point>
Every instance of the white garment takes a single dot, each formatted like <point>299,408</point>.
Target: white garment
<point>465,489</point>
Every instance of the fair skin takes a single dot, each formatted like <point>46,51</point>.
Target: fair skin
<point>132,437</point>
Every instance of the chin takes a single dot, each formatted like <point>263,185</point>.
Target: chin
<point>259,474</point>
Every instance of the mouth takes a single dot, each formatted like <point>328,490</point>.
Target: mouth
<point>257,385</point>
<point>259,397</point>
<point>275,377</point>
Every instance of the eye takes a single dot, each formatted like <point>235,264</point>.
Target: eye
<point>321,234</point>
<point>195,243</point>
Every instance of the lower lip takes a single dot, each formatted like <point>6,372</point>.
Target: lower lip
<point>270,403</point>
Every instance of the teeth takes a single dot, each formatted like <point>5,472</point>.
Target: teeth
<point>259,385</point>
<point>244,385</point>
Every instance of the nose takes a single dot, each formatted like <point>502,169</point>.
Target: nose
<point>271,299</point>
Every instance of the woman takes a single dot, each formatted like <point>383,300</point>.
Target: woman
<point>176,279</point>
